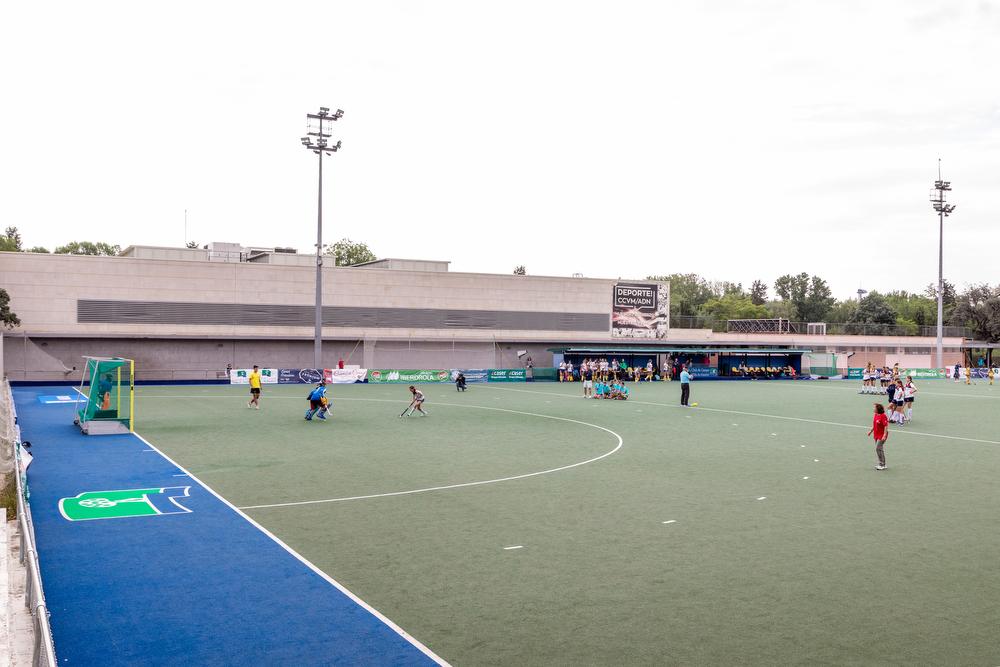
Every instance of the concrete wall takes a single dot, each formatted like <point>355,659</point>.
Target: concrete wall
<point>44,291</point>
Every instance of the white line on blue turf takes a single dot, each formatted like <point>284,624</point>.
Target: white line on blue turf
<point>182,475</point>
<point>671,521</point>
<point>517,547</point>
<point>309,564</point>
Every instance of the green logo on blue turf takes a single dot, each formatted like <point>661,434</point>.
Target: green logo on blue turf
<point>124,503</point>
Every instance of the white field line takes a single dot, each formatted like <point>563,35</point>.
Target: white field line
<point>302,559</point>
<point>786,418</point>
<point>920,392</point>
<point>464,484</point>
<point>519,546</point>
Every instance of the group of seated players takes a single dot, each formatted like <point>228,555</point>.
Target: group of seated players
<point>616,390</point>
<point>605,371</point>
<point>763,372</point>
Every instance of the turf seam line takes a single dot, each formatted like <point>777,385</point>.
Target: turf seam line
<point>302,559</point>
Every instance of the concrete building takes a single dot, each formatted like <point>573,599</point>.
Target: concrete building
<point>188,313</point>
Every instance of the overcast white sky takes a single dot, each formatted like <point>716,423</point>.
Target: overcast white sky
<point>738,140</point>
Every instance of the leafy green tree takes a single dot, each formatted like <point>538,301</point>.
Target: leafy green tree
<point>38,249</point>
<point>348,253</point>
<point>810,295</point>
<point>758,292</point>
<point>915,308</point>
<point>733,307</point>
<point>7,317</point>
<point>978,308</point>
<point>948,301</point>
<point>88,248</point>
<point>688,293</point>
<point>11,240</point>
<point>874,315</point>
<point>519,270</point>
<point>780,309</point>
<point>842,311</point>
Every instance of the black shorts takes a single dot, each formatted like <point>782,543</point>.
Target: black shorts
<point>315,405</point>
<point>908,400</point>
<point>899,404</point>
<point>255,391</point>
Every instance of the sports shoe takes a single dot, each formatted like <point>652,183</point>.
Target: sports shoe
<point>879,467</point>
<point>256,407</point>
<point>249,405</point>
<point>321,417</point>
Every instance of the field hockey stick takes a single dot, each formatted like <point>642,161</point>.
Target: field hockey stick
<point>408,407</point>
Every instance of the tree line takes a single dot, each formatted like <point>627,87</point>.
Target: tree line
<point>807,298</point>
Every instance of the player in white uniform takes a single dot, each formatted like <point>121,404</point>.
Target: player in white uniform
<point>909,393</point>
<point>569,371</point>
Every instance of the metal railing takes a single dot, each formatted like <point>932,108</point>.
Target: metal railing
<point>44,652</point>
<point>832,328</point>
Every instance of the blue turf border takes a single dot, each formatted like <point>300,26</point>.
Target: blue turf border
<point>206,587</point>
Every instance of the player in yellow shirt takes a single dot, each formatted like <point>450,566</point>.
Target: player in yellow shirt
<point>254,389</point>
<point>968,375</point>
<point>989,374</point>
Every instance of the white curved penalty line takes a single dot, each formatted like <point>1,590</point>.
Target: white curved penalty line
<point>806,420</point>
<point>464,484</point>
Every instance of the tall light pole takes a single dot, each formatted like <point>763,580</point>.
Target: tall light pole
<point>316,140</point>
<point>938,200</point>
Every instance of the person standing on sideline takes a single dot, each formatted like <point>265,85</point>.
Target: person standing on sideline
<point>254,389</point>
<point>880,431</point>
<point>685,385</point>
<point>989,374</point>
<point>587,376</point>
<point>529,372</point>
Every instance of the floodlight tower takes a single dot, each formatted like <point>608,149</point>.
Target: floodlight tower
<point>938,200</point>
<point>317,140</point>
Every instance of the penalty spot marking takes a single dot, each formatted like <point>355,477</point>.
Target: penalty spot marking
<point>464,484</point>
<point>519,546</point>
<point>805,477</point>
<point>815,460</point>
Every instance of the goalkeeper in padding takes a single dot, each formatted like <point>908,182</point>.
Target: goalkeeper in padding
<point>319,405</point>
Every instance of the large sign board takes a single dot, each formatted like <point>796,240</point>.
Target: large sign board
<point>640,310</point>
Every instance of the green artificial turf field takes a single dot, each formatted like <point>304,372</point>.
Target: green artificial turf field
<point>752,529</point>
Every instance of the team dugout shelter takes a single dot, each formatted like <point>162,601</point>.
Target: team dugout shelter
<point>721,362</point>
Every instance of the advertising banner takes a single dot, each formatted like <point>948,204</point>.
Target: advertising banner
<point>640,310</point>
<point>392,375</point>
<point>506,375</point>
<point>242,375</point>
<point>916,373</point>
<point>703,371</point>
<point>299,375</point>
<point>345,375</point>
<point>471,374</point>
<point>978,372</point>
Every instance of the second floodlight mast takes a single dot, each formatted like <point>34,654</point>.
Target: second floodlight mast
<point>944,209</point>
<point>317,140</point>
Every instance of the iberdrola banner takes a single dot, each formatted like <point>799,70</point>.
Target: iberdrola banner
<point>397,376</point>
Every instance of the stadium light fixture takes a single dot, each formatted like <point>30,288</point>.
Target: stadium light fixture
<point>944,209</point>
<point>317,125</point>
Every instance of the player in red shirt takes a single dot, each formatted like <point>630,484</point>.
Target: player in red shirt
<point>880,431</point>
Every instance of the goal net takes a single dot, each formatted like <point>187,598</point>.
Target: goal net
<point>107,403</point>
